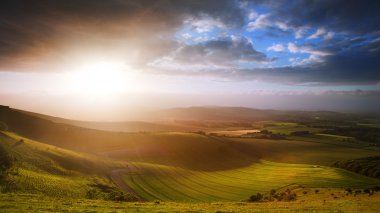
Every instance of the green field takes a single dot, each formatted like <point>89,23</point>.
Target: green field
<point>155,182</point>
<point>290,128</point>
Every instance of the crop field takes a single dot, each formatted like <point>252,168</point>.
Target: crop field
<point>289,129</point>
<point>234,133</point>
<point>338,137</point>
<point>157,182</point>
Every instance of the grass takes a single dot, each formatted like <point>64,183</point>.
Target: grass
<point>289,129</point>
<point>305,150</point>
<point>44,169</point>
<point>340,137</point>
<point>321,202</point>
<point>201,173</point>
<point>153,181</point>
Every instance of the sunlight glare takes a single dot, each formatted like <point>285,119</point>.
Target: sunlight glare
<point>100,79</point>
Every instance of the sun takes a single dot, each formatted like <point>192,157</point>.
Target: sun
<point>99,79</point>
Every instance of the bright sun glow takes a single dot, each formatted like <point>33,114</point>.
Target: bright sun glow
<point>100,79</point>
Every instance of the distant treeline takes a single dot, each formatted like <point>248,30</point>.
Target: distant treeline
<point>369,166</point>
<point>368,134</point>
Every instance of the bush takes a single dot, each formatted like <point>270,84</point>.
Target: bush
<point>349,191</point>
<point>256,198</point>
<point>287,196</point>
<point>120,196</point>
<point>92,194</point>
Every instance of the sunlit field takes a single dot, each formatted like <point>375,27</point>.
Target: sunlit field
<point>155,182</point>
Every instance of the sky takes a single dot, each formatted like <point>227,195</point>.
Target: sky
<point>108,60</point>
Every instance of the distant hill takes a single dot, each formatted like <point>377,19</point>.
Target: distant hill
<point>197,118</point>
<point>240,114</point>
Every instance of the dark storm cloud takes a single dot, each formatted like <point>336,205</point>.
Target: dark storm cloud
<point>217,54</point>
<point>37,32</point>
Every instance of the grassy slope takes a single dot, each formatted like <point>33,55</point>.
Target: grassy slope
<point>187,150</point>
<point>208,155</point>
<point>45,169</point>
<point>175,184</point>
<point>179,149</point>
<point>306,203</point>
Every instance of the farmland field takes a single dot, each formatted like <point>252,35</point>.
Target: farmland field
<point>234,133</point>
<point>156,182</point>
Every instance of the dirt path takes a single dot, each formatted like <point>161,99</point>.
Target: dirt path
<point>117,178</point>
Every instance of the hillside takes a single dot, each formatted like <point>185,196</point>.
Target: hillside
<point>36,168</point>
<point>170,166</point>
<point>369,166</point>
<point>188,150</point>
<point>153,181</point>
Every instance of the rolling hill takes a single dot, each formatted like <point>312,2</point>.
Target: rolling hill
<point>168,166</point>
<point>31,167</point>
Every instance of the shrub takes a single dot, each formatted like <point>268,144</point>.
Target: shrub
<point>287,196</point>
<point>256,198</point>
<point>349,191</point>
<point>92,194</point>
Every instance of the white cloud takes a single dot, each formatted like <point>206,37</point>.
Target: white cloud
<point>300,32</point>
<point>252,15</point>
<point>316,56</point>
<point>186,36</point>
<point>276,48</point>
<point>320,31</point>
<point>293,48</point>
<point>204,24</point>
<point>282,25</point>
<point>262,21</point>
